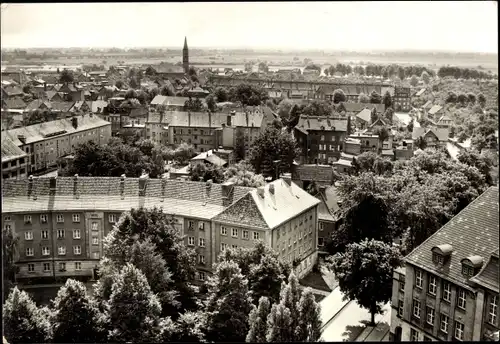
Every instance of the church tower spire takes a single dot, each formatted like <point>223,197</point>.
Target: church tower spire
<point>185,56</point>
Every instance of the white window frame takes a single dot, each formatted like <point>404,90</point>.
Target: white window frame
<point>430,315</point>
<point>492,310</point>
<point>31,267</point>
<point>45,265</point>
<point>459,330</point>
<point>76,217</point>
<point>61,250</point>
<point>413,335</point>
<point>190,225</point>
<point>77,234</point>
<point>418,279</point>
<point>446,291</point>
<point>223,230</point>
<point>322,243</point>
<point>320,226</point>
<point>30,252</point>
<point>59,236</point>
<point>201,275</point>
<point>190,241</point>
<point>432,285</point>
<point>77,250</point>
<point>45,251</point>
<point>234,232</point>
<point>112,218</point>
<point>461,298</point>
<point>201,242</point>
<point>246,234</point>
<point>201,226</point>
<point>78,266</point>
<point>256,235</point>
<point>28,235</point>
<point>417,308</point>
<point>44,234</point>
<point>94,226</point>
<point>445,320</point>
<point>60,218</point>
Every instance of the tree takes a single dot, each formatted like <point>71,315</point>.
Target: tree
<point>375,98</point>
<point>279,324</point>
<point>481,161</point>
<point>134,83</point>
<point>248,94</point>
<point>206,172</point>
<point>193,104</point>
<point>188,328</point>
<point>76,318</point>
<point>471,97</point>
<point>66,76</point>
<point>451,98</point>
<point>134,311</point>
<point>364,268</point>
<point>23,322</point>
<point>363,98</point>
<point>183,153</point>
<point>271,145</point>
<point>192,71</point>
<point>263,67</point>
<point>150,71</point>
<point>421,143</point>
<point>309,328</point>
<point>425,77</point>
<point>228,304</point>
<point>131,94</point>
<point>481,100</point>
<point>119,84</point>
<point>383,134</point>
<point>221,94</point>
<point>243,174</point>
<point>257,321</point>
<point>414,80</point>
<point>387,100</point>
<point>211,103</point>
<point>462,99</point>
<point>10,241</point>
<point>338,96</point>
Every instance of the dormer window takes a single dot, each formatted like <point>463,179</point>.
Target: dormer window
<point>441,253</point>
<point>471,265</point>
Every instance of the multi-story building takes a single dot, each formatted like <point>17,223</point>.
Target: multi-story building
<point>14,160</point>
<point>448,289</point>
<point>60,222</point>
<point>321,138</point>
<point>368,141</point>
<point>328,215</point>
<point>434,137</point>
<point>45,142</point>
<point>402,98</point>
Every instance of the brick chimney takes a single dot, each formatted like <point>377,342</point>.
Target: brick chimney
<point>287,178</point>
<point>143,181</point>
<point>122,186</point>
<point>227,189</point>
<point>260,191</point>
<point>75,186</point>
<point>30,186</point>
<point>53,185</point>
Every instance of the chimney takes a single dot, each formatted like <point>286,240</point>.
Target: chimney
<point>74,122</point>
<point>227,188</point>
<point>322,190</point>
<point>30,186</point>
<point>260,191</point>
<point>45,86</point>
<point>208,184</point>
<point>143,179</point>
<point>75,185</point>
<point>53,185</point>
<point>189,118</point>
<point>287,178</point>
<point>271,189</point>
<point>22,138</point>
<point>246,117</point>
<point>122,186</point>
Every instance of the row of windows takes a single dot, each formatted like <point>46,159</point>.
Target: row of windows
<point>208,132</point>
<point>201,225</point>
<point>224,246</point>
<point>77,250</point>
<point>47,267</point>
<point>234,233</point>
<point>325,147</point>
<point>191,241</point>
<point>59,218</point>
<point>443,327</point>
<point>446,295</point>
<point>44,234</point>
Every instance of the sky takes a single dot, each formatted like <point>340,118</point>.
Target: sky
<point>465,26</point>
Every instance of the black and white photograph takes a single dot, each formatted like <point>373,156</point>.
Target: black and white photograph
<point>255,172</point>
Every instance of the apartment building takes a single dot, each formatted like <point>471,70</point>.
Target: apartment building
<point>14,160</point>
<point>45,142</point>
<point>402,98</point>
<point>281,214</point>
<point>321,138</point>
<point>449,287</point>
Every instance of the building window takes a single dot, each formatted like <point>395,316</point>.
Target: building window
<point>77,250</point>
<point>201,242</point>
<point>46,267</point>
<point>400,307</point>
<point>61,250</point>
<point>60,218</point>
<point>320,242</point>
<point>44,234</point>
<point>43,218</point>
<point>462,298</point>
<point>320,226</point>
<point>492,310</point>
<point>255,235</point>
<point>432,285</point>
<point>201,259</point>
<point>223,246</point>
<point>27,219</point>
<point>190,225</point>
<point>223,230</point>
<point>201,276</point>
<point>95,240</point>
<point>444,323</point>
<point>191,241</point>
<point>418,279</point>
<point>234,232</point>
<point>29,251</point>
<point>76,217</point>
<point>112,218</point>
<point>459,330</point>
<point>76,234</point>
<point>447,291</point>
<point>45,251</point>
<point>28,235</point>
<point>245,235</point>
<point>78,266</point>
<point>416,308</point>
<point>62,266</point>
<point>7,218</point>
<point>431,313</point>
<point>402,286</point>
<point>60,233</point>
<point>467,271</point>
<point>31,267</point>
<point>201,226</point>
<point>413,335</point>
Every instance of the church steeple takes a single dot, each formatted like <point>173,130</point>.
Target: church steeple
<point>185,56</point>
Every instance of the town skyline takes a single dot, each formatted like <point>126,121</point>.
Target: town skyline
<point>23,27</point>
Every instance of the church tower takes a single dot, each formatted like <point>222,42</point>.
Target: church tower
<point>185,56</point>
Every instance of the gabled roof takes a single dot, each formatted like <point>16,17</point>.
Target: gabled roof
<point>357,107</point>
<point>15,103</point>
<point>427,105</point>
<point>321,123</point>
<point>10,151</point>
<point>435,109</point>
<point>488,276</point>
<point>243,212</point>
<point>37,103</point>
<point>473,231</point>
<point>440,133</point>
<point>211,158</point>
<point>61,106</point>
<point>444,118</point>
<point>328,207</point>
<point>365,115</point>
<point>12,90</point>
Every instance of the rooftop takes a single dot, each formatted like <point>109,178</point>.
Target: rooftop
<point>321,123</point>
<point>10,151</point>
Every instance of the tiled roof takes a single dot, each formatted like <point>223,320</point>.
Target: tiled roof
<point>15,103</point>
<point>243,212</point>
<point>357,107</point>
<point>12,90</point>
<point>317,173</point>
<point>322,123</point>
<point>441,133</point>
<point>36,132</point>
<point>435,109</point>
<point>488,276</point>
<point>61,106</point>
<point>328,207</point>
<point>101,193</point>
<point>10,151</point>
<point>211,158</point>
<point>365,115</point>
<point>473,231</point>
<point>35,104</point>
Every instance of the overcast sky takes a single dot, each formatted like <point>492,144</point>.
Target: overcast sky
<point>427,25</point>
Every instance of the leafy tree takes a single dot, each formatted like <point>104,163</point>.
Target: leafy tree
<point>257,321</point>
<point>248,94</point>
<point>189,328</point>
<point>119,84</point>
<point>481,100</point>
<point>134,83</point>
<point>10,241</point>
<point>309,328</point>
<point>375,98</point>
<point>451,98</point>
<point>273,144</point>
<point>312,66</point>
<point>228,304</point>
<point>263,67</point>
<point>243,174</point>
<point>192,71</point>
<point>387,100</point>
<point>131,94</point>
<point>134,311</point>
<point>471,97</point>
<point>290,297</point>
<point>166,91</point>
<point>363,98</point>
<point>193,104</point>
<point>66,76</point>
<point>383,134</point>
<point>414,80</point>
<point>284,108</point>
<point>421,143</point>
<point>221,94</point>
<point>150,71</point>
<point>462,99</point>
<point>206,172</point>
<point>23,322</point>
<point>338,96</point>
<point>76,318</point>
<point>364,268</point>
<point>183,153</point>
<point>425,77</point>
<point>211,103</point>
<point>481,161</point>
<point>317,108</point>
<point>279,324</point>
